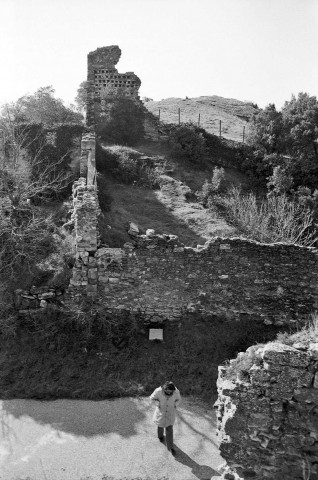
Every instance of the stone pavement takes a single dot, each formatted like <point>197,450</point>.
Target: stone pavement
<point>104,440</point>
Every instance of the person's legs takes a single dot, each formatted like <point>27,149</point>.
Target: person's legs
<point>169,437</point>
<point>160,433</point>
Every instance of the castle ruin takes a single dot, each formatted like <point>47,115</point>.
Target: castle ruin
<point>267,420</point>
<point>104,83</point>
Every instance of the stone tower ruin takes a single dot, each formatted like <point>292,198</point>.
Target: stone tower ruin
<point>105,83</point>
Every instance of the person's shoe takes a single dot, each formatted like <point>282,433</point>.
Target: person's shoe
<point>173,452</point>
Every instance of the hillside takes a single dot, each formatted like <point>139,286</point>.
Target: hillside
<point>171,209</point>
<point>233,114</point>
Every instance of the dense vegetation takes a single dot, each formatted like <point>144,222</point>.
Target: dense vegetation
<point>35,178</point>
<point>125,123</point>
<point>281,162</point>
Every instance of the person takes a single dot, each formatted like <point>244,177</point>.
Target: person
<point>166,398</point>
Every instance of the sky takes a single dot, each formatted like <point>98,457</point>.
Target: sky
<point>257,50</point>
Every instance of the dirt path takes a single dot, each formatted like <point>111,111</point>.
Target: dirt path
<point>106,440</point>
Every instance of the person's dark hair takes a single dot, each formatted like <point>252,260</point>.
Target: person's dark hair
<point>168,386</point>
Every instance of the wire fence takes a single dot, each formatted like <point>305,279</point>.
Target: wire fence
<point>198,123</point>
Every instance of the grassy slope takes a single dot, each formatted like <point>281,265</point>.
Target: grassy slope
<point>58,363</point>
<point>234,114</point>
<point>167,210</point>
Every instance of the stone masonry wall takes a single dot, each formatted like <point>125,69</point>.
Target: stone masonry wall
<point>105,82</point>
<point>88,161</point>
<point>268,413</point>
<point>236,278</point>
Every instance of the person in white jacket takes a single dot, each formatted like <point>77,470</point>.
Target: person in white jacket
<point>166,399</point>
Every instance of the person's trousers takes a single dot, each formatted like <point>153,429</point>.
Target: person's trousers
<point>169,435</point>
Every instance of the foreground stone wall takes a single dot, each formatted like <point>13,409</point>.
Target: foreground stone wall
<point>268,413</point>
<point>236,278</point>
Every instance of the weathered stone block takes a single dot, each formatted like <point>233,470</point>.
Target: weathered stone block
<point>281,354</point>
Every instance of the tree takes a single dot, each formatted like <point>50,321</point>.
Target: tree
<point>288,139</point>
<point>81,97</point>
<point>300,116</point>
<point>42,107</point>
<point>124,124</point>
<point>280,182</point>
<point>267,131</point>
<point>33,167</point>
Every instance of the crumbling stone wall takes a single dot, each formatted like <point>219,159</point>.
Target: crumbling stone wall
<point>237,278</point>
<point>27,301</point>
<point>268,413</point>
<point>104,82</point>
<point>88,160</point>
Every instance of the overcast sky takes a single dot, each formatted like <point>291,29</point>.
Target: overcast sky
<point>258,50</point>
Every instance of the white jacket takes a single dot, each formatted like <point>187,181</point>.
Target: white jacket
<point>165,413</point>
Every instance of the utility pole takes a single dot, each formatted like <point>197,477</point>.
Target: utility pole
<point>199,121</point>
<point>179,115</point>
<point>220,128</point>
<point>243,133</point>
<point>159,114</point>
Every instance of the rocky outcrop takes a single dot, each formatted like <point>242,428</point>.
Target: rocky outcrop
<point>268,413</point>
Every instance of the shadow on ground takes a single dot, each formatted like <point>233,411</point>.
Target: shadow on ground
<point>77,417</point>
<point>203,472</point>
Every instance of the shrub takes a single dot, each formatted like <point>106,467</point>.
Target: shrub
<point>307,333</point>
<point>275,219</point>
<point>25,238</point>
<point>188,142</point>
<point>128,166</point>
<point>218,185</point>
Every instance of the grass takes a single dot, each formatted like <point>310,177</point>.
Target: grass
<point>166,211</point>
<point>305,335</point>
<point>233,114</point>
<point>172,209</point>
<point>273,219</point>
<point>56,360</point>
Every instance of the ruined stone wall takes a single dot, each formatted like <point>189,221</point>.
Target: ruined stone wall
<point>162,279</point>
<point>104,82</point>
<point>88,161</point>
<point>268,413</point>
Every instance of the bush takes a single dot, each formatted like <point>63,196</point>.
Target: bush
<point>307,334</point>
<point>218,185</point>
<point>25,238</point>
<point>188,142</point>
<point>128,166</point>
<point>275,219</point>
